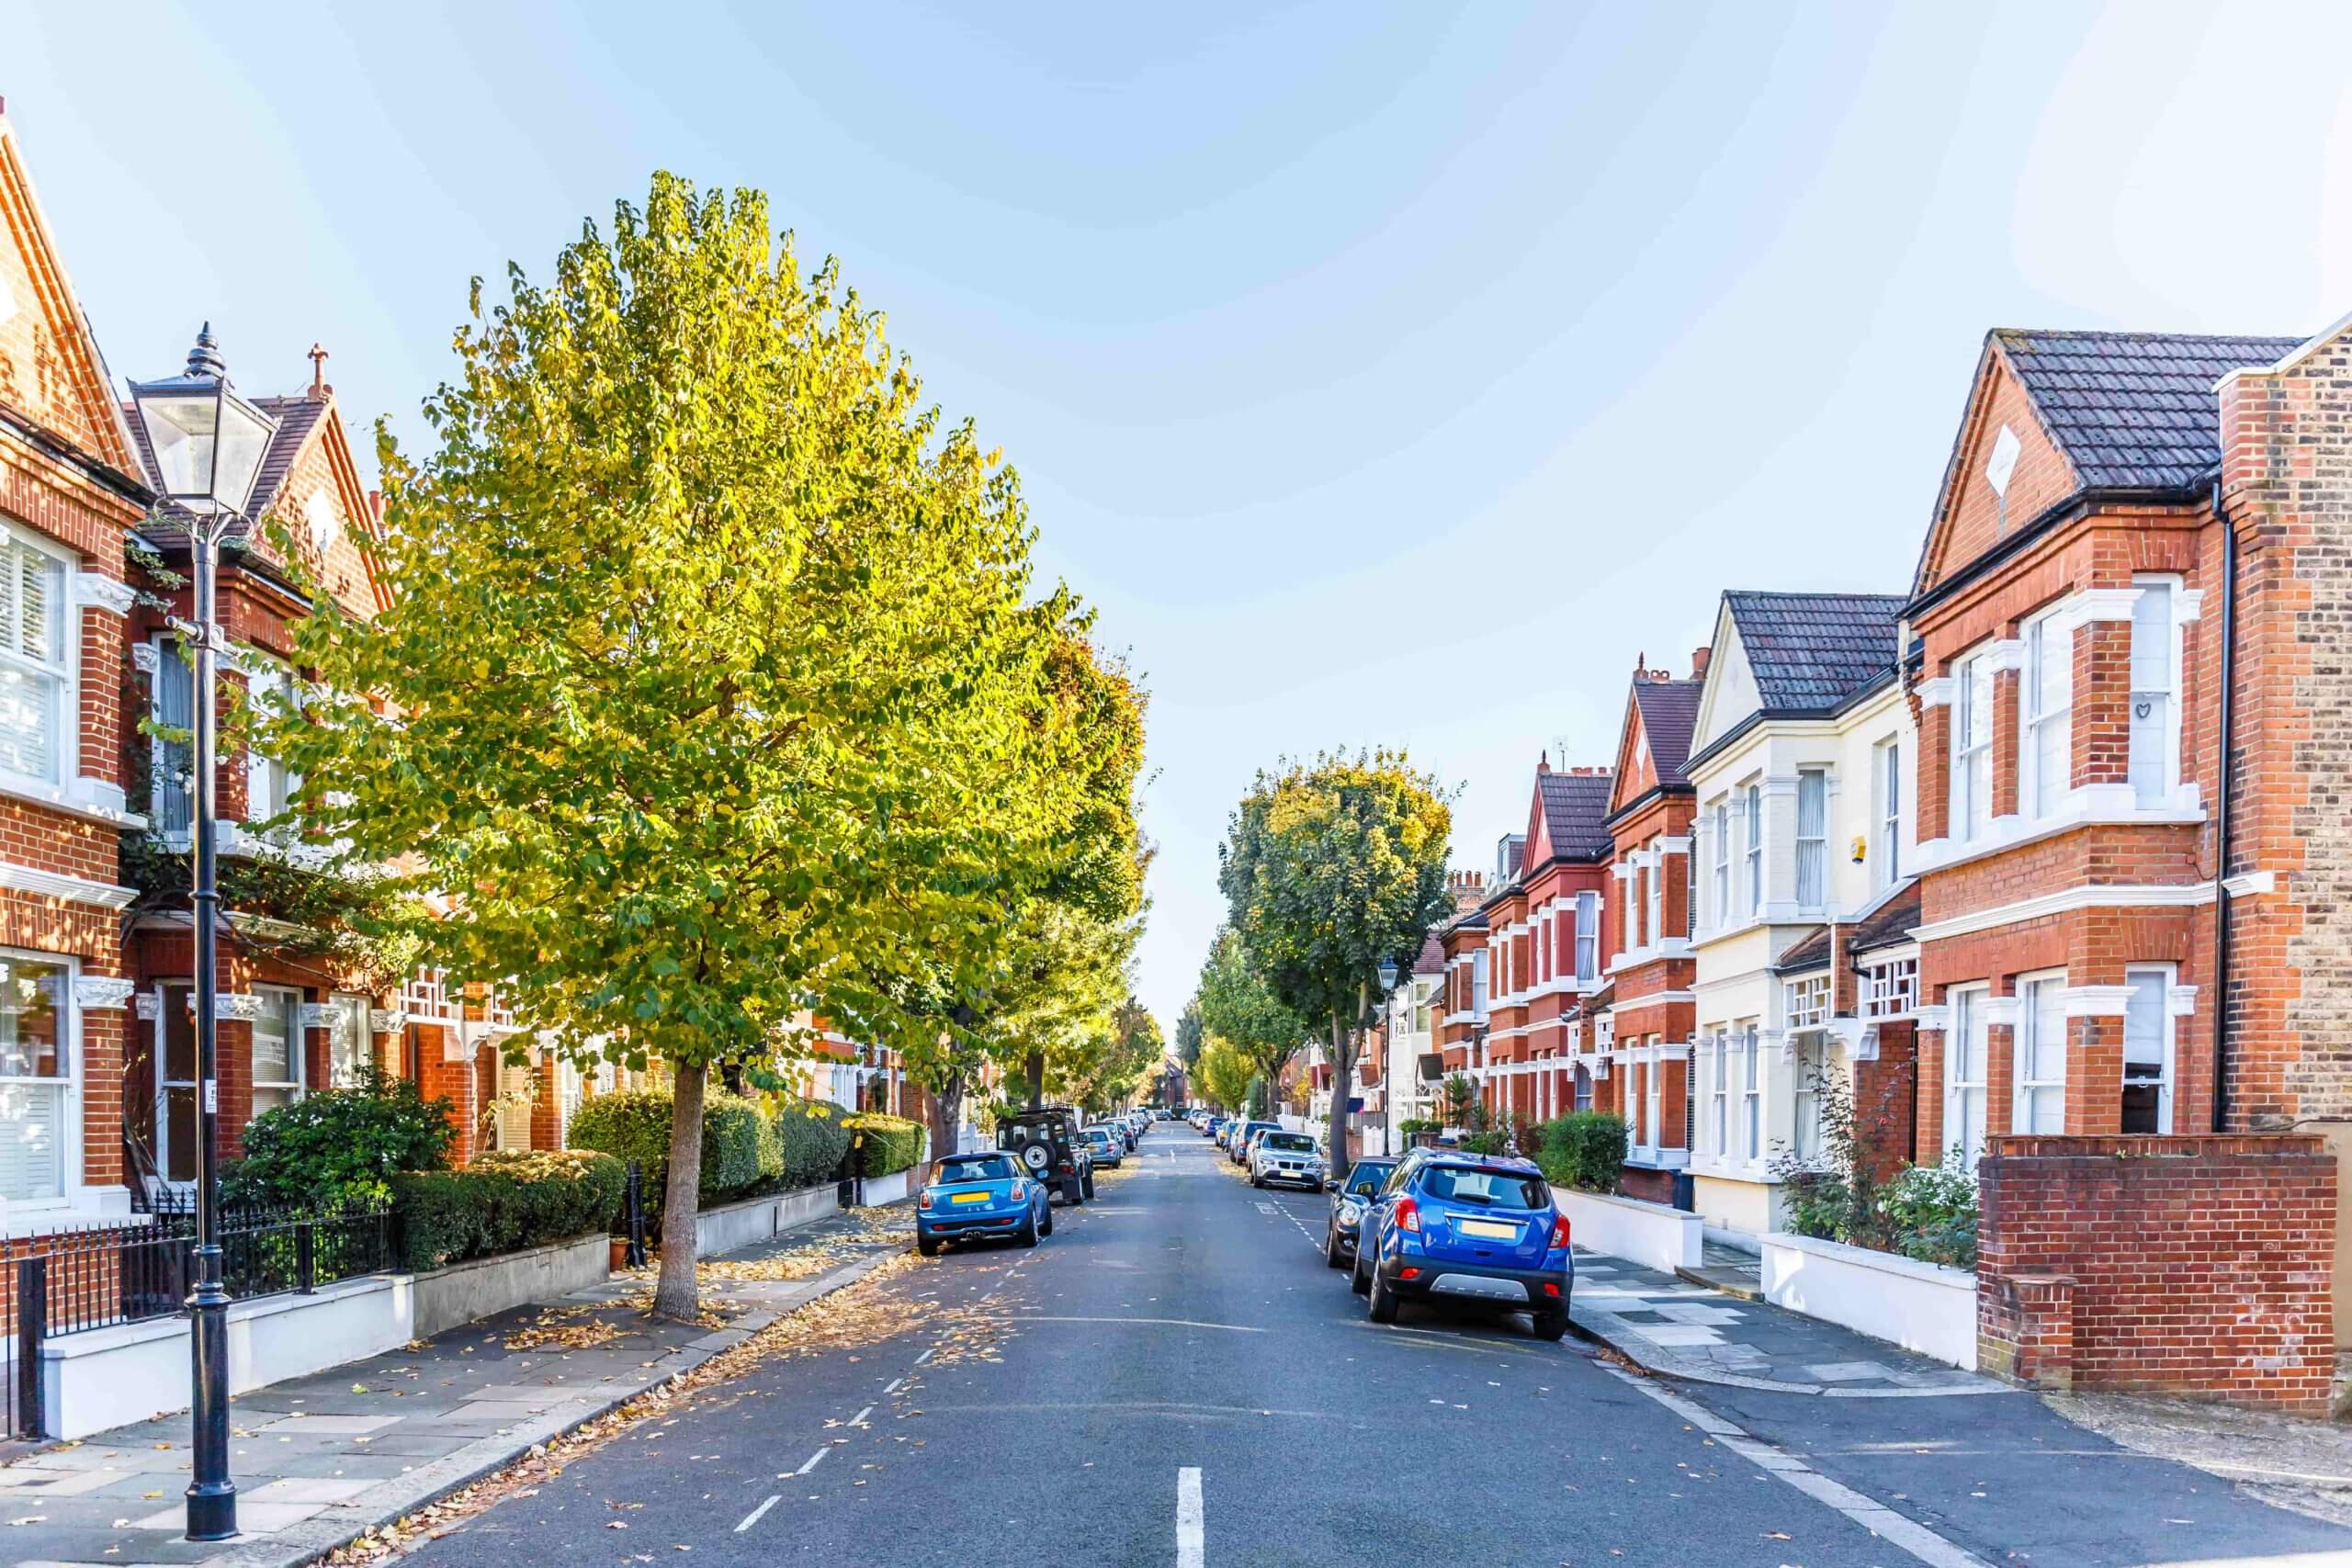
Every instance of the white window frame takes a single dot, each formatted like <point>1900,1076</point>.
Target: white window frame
<point>1754,799</point>
<point>1808,1076</point>
<point>1588,937</point>
<point>1972,789</point>
<point>2038,716</point>
<point>271,787</point>
<point>1967,1045</point>
<point>1890,988</point>
<point>60,673</point>
<point>1690,885</point>
<point>1816,845</point>
<point>289,1001</point>
<point>2041,1007</point>
<point>1654,897</point>
<point>1722,837</point>
<point>1805,1001</point>
<point>2170,782</point>
<point>66,1126</point>
<point>1653,1096</point>
<point>1886,773</point>
<point>1480,971</point>
<point>1720,1092</point>
<point>2165,975</point>
<point>1751,1093</point>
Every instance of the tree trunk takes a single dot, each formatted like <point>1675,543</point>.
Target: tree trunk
<point>1343,1065</point>
<point>676,1295</point>
<point>1036,1065</point>
<point>950,1099</point>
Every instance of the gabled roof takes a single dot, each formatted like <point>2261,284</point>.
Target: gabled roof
<point>1811,652</point>
<point>1575,813</point>
<point>1432,959</point>
<point>2133,410</point>
<point>1669,712</point>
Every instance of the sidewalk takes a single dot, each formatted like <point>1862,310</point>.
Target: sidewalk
<point>1678,1328</point>
<point>319,1460</point>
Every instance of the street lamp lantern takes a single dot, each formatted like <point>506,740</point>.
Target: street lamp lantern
<point>209,442</point>
<point>1387,975</point>
<point>208,445</point>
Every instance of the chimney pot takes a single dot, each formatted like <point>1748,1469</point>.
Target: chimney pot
<point>1699,661</point>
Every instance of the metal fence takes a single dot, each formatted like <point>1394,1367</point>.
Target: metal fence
<point>71,1282</point>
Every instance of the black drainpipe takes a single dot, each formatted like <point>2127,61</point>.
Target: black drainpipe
<point>2222,817</point>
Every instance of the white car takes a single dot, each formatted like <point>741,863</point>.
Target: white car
<point>1295,1158</point>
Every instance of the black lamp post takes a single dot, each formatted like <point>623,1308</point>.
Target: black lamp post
<point>207,443</point>
<point>1387,1077</point>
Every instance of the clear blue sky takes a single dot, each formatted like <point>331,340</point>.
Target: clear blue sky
<point>1384,374</point>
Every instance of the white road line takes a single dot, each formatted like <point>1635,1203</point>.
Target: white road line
<point>1900,1530</point>
<point>892,1386</point>
<point>859,1419</point>
<point>810,1462</point>
<point>1140,1322</point>
<point>1189,1551</point>
<point>753,1517</point>
<point>921,1359</point>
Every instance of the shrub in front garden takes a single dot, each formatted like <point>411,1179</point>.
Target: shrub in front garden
<point>814,1136</point>
<point>336,1146</point>
<point>892,1143</point>
<point>504,1203</point>
<point>635,1125</point>
<point>1585,1149</point>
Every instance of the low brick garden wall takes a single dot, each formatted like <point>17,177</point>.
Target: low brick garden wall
<point>2192,1265</point>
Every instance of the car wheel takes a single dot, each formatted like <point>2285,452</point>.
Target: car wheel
<point>927,1247</point>
<point>1259,1183</point>
<point>1551,1324</point>
<point>1045,1221</point>
<point>1331,1258</point>
<point>1027,1235</point>
<point>1089,1184</point>
<point>1383,1303</point>
<point>1356,1281</point>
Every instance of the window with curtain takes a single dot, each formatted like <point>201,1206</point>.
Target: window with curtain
<point>1965,1053</point>
<point>1812,1069</point>
<point>278,1048</point>
<point>2154,697</point>
<point>1812,837</point>
<point>270,785</point>
<point>1588,938</point>
<point>2148,1064</point>
<point>1886,769</point>
<point>33,667</point>
<point>34,1073</point>
<point>346,1040</point>
<point>1971,749</point>
<point>2041,1056</point>
<point>1584,1090</point>
<point>1478,983</point>
<point>1654,918</point>
<point>2046,715</point>
<point>1754,849</point>
<point>172,701</point>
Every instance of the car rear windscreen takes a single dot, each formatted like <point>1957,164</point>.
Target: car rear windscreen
<point>1499,1189</point>
<point>998,1169</point>
<point>1289,1142</point>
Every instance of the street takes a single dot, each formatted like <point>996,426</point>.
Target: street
<point>1174,1377</point>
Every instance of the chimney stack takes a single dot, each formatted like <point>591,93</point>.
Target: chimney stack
<point>1699,661</point>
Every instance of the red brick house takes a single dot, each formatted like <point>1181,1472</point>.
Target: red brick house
<point>2129,573</point>
<point>1462,1018</point>
<point>1650,1015</point>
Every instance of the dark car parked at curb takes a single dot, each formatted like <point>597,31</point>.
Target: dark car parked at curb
<point>1046,1143</point>
<point>1467,1230</point>
<point>1349,1197</point>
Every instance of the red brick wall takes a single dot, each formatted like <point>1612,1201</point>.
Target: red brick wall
<point>2192,1265</point>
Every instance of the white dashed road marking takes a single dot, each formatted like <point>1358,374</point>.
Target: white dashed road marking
<point>1190,1550</point>
<point>811,1461</point>
<point>859,1419</point>
<point>1900,1530</point>
<point>753,1517</point>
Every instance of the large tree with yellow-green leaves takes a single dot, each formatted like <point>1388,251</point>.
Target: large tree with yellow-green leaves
<point>1328,868</point>
<point>710,689</point>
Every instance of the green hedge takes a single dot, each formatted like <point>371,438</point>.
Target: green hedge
<point>892,1143</point>
<point>340,1145</point>
<point>1585,1149</point>
<point>504,1203</point>
<point>813,1138</point>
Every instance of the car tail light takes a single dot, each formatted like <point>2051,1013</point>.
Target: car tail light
<point>1560,1232</point>
<point>1409,1215</point>
<point>1020,1190</point>
<point>923,1201</point>
<point>1550,1288</point>
<point>1408,1273</point>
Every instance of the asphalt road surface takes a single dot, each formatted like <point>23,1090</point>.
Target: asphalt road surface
<point>1175,1378</point>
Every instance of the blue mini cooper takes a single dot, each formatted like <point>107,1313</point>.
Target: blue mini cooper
<point>1467,1230</point>
<point>975,1196</point>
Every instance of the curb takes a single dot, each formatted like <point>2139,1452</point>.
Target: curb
<point>1745,1293</point>
<point>313,1538</point>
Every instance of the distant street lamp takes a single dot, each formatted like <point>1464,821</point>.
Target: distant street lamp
<point>1387,1077</point>
<point>208,445</point>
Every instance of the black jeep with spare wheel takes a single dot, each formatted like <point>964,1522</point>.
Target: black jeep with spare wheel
<point>1046,1143</point>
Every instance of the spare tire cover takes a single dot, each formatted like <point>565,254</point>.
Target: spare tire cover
<point>1035,1156</point>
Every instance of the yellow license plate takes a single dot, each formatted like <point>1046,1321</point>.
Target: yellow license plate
<point>1489,1228</point>
<point>971,1198</point>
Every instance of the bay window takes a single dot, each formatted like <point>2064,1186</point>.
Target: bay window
<point>1971,748</point>
<point>1588,938</point>
<point>35,1069</point>
<point>2046,715</point>
<point>2155,691</point>
<point>1812,837</point>
<point>33,669</point>
<point>270,785</point>
<point>2041,1056</point>
<point>172,703</point>
<point>1812,1072</point>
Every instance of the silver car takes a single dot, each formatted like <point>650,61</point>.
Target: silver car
<point>1293,1158</point>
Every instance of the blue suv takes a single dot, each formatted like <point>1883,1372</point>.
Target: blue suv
<point>1469,1230</point>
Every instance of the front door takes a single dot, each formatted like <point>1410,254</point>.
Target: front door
<point>176,1138</point>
